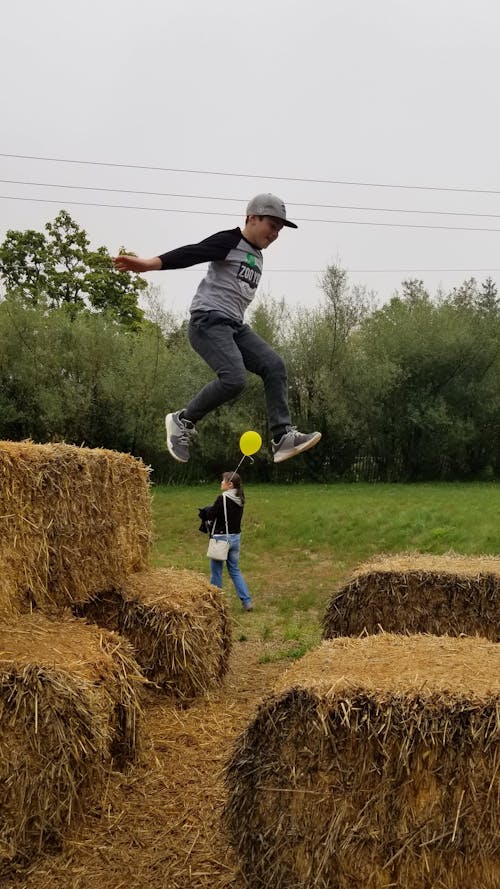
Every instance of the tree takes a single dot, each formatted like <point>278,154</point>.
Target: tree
<point>488,300</point>
<point>59,268</point>
<point>431,404</point>
<point>414,292</point>
<point>466,296</point>
<point>317,345</point>
<point>344,306</point>
<point>23,261</point>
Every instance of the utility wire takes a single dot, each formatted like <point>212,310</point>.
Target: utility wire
<point>61,160</point>
<point>267,271</point>
<point>455,228</point>
<point>382,271</point>
<point>204,197</point>
<point>274,271</point>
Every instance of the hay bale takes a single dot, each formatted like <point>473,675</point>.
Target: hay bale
<point>73,521</point>
<point>178,626</point>
<point>416,593</point>
<point>9,596</point>
<point>375,764</point>
<point>68,710</point>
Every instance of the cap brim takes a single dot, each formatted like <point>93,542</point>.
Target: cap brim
<point>262,212</point>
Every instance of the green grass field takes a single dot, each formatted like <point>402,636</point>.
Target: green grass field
<point>299,541</point>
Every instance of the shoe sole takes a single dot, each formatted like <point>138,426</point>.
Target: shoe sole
<point>287,455</point>
<point>169,421</point>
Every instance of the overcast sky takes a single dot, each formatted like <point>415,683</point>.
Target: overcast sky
<point>272,94</point>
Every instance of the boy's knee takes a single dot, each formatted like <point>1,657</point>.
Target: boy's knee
<point>234,384</point>
<point>275,366</point>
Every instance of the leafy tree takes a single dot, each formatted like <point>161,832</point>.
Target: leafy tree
<point>414,292</point>
<point>344,306</point>
<point>429,413</point>
<point>23,260</point>
<point>488,300</point>
<point>59,268</point>
<point>317,356</point>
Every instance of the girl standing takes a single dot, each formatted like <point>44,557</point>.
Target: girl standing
<point>232,494</point>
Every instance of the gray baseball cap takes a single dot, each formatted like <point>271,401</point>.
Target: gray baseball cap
<point>269,205</point>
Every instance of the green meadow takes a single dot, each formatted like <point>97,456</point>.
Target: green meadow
<point>300,541</point>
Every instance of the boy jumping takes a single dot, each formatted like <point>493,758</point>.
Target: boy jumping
<point>218,333</point>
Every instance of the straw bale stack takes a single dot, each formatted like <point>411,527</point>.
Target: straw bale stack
<point>375,764</point>
<point>68,710</point>
<point>416,593</point>
<point>73,521</point>
<point>178,626</point>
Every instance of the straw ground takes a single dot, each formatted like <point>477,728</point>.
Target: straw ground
<point>159,825</point>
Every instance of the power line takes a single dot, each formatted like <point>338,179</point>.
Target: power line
<point>61,160</point>
<point>381,271</point>
<point>274,271</point>
<point>196,270</point>
<point>454,228</point>
<point>204,197</point>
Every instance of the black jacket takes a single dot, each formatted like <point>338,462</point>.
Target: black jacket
<point>215,514</point>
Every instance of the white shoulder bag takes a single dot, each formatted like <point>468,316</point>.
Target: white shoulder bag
<point>219,549</point>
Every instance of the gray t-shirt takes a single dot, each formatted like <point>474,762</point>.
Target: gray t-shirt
<point>233,274</point>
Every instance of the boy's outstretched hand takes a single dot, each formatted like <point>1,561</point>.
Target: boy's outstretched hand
<point>128,263</point>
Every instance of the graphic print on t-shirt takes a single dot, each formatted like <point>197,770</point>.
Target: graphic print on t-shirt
<point>249,274</point>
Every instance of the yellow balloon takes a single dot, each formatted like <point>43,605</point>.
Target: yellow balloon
<point>250,443</point>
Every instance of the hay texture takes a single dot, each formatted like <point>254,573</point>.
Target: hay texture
<point>8,589</point>
<point>415,593</point>
<point>178,626</point>
<point>68,710</point>
<point>73,521</point>
<point>376,764</point>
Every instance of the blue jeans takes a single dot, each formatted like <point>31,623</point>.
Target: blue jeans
<point>232,566</point>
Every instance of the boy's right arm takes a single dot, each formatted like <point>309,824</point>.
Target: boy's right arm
<point>212,249</point>
<point>127,263</point>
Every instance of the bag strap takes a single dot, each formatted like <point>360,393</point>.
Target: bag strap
<point>212,533</point>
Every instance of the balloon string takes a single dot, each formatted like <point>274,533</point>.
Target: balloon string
<point>239,464</point>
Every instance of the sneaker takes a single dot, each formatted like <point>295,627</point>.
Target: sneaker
<point>179,433</point>
<point>293,442</point>
<point>248,607</point>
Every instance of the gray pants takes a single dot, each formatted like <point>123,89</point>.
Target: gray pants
<point>231,348</point>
